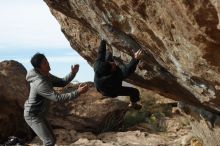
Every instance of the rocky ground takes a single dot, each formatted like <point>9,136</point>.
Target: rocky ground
<point>159,123</point>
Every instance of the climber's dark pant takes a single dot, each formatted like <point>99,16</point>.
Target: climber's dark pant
<point>124,91</point>
<point>129,91</point>
<point>42,128</point>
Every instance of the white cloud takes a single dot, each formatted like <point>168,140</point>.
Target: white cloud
<point>65,59</point>
<point>29,23</point>
<point>27,27</point>
<point>71,53</point>
<point>21,60</point>
<point>2,46</point>
<point>55,59</point>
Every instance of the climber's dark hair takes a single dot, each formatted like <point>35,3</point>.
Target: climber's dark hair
<point>36,60</point>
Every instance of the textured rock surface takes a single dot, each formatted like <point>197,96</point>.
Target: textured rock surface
<point>89,112</point>
<point>13,93</point>
<point>181,41</point>
<point>167,130</point>
<point>205,124</point>
<point>129,138</point>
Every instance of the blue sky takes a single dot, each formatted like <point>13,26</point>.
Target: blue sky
<point>27,27</point>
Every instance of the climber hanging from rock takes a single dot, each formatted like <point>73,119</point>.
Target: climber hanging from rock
<point>109,76</point>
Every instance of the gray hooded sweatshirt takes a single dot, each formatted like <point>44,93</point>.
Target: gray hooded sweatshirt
<point>41,92</point>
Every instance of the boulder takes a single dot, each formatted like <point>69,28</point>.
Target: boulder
<point>90,112</point>
<point>205,125</point>
<point>180,40</point>
<point>14,92</point>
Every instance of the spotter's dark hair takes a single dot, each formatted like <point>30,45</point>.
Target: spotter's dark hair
<point>37,59</point>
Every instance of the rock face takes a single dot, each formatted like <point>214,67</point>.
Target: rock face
<point>180,39</point>
<point>128,138</point>
<point>205,124</point>
<point>14,91</point>
<point>89,112</point>
<point>154,125</point>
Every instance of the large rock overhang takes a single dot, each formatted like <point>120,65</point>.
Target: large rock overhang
<point>181,41</point>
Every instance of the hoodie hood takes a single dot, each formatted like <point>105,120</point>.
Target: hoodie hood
<point>33,75</point>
